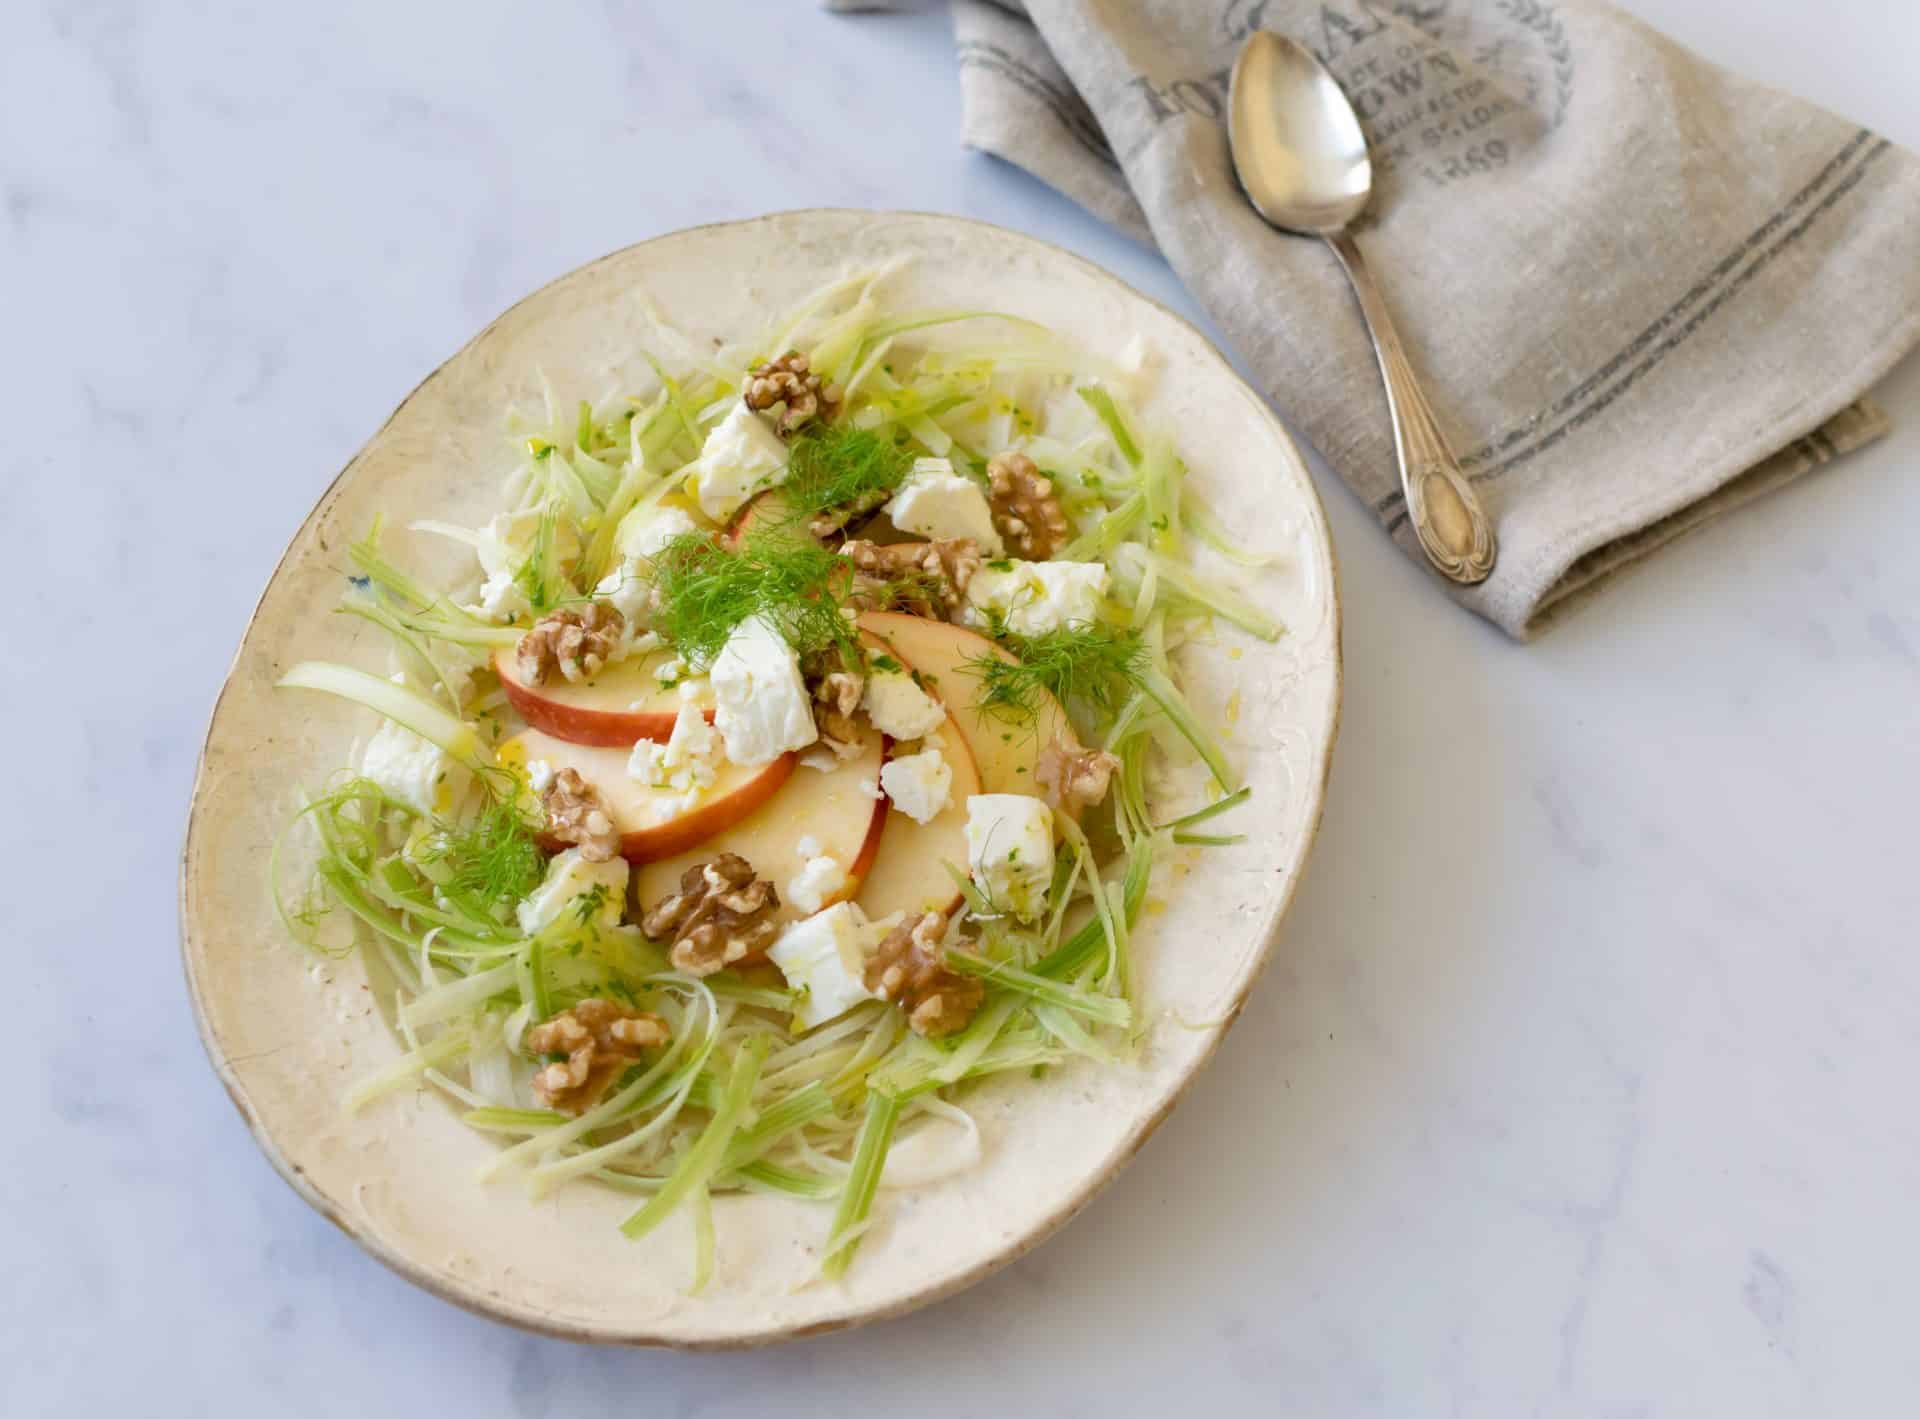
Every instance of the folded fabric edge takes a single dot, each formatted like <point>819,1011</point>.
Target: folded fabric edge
<point>1854,427</point>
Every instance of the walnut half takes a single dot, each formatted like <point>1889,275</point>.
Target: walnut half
<point>925,578</point>
<point>600,1039</point>
<point>836,699</point>
<point>577,814</point>
<point>722,916</point>
<point>1026,510</point>
<point>790,382</point>
<point>910,966</point>
<point>576,641</point>
<point>1072,779</point>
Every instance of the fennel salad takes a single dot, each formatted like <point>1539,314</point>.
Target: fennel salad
<point>786,766</point>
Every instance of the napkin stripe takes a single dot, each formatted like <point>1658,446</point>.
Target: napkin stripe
<point>1580,405</point>
<point>1065,106</point>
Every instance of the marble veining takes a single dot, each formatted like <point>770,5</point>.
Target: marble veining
<point>1580,1084</point>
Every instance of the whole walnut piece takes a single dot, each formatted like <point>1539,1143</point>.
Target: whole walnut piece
<point>790,382</point>
<point>1026,510</point>
<point>1073,778</point>
<point>577,641</point>
<point>836,698</point>
<point>601,1039</point>
<point>577,814</point>
<point>722,916</point>
<point>924,578</point>
<point>910,967</point>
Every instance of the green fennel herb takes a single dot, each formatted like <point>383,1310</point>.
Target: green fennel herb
<point>1093,665</point>
<point>706,590</point>
<point>839,465</point>
<point>491,860</point>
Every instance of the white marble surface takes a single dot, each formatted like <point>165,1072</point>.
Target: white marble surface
<point>1583,1082</point>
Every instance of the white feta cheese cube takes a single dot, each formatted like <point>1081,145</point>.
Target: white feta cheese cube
<point>503,546</point>
<point>1010,849</point>
<point>762,706</point>
<point>816,881</point>
<point>899,707</point>
<point>645,530</point>
<point>824,958</point>
<point>740,457</point>
<point>629,590</point>
<point>688,762</point>
<point>919,785</point>
<point>935,501</point>
<point>501,598</point>
<point>1035,597</point>
<point>597,889</point>
<point>417,773</point>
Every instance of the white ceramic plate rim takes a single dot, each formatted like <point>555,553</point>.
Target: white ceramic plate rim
<point>1072,1198</point>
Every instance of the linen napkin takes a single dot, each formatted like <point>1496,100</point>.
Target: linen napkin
<point>1641,291</point>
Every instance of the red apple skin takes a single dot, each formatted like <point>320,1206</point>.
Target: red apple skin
<point>851,830</point>
<point>869,849</point>
<point>687,830</point>
<point>557,710</point>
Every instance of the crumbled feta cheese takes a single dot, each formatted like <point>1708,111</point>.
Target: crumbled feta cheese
<point>808,846</point>
<point>503,546</point>
<point>570,878</point>
<point>696,690</point>
<point>629,586</point>
<point>645,530</point>
<point>501,598</point>
<point>670,671</point>
<point>417,773</point>
<point>899,707</point>
<point>935,501</point>
<point>1010,849</point>
<point>629,591</point>
<point>539,775</point>
<point>821,760</point>
<point>740,457</point>
<point>824,958</point>
<point>688,762</point>
<point>818,880</point>
<point>919,784</point>
<point>763,708</point>
<point>1034,597</point>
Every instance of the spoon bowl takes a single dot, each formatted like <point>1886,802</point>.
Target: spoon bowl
<point>1301,155</point>
<point>1297,143</point>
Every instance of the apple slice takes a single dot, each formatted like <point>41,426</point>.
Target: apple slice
<point>654,822</point>
<point>835,806</point>
<point>764,509</point>
<point>1004,750</point>
<point>910,869</point>
<point>617,708</point>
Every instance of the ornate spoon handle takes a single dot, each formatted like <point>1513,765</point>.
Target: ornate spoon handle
<point>1445,511</point>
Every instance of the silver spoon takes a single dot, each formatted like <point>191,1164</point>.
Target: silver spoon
<point>1301,156</point>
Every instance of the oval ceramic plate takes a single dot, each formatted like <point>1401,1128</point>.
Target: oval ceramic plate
<point>287,1035</point>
